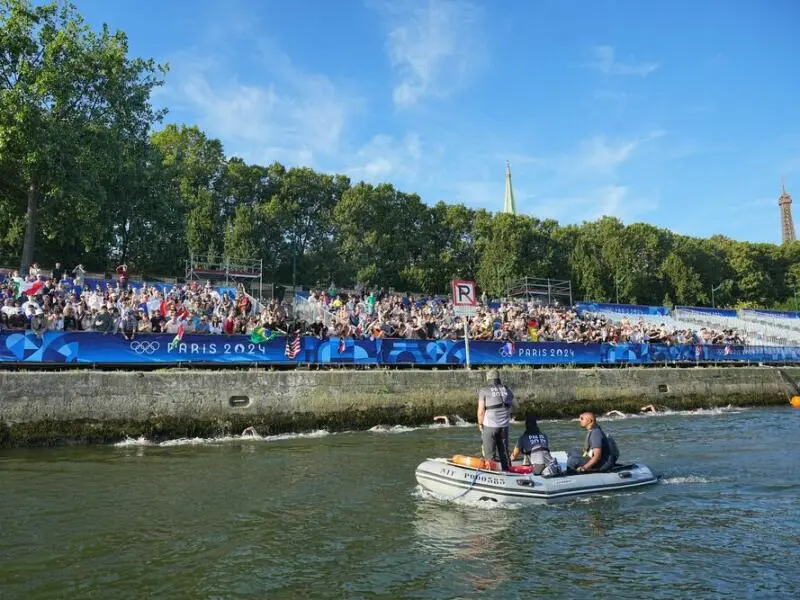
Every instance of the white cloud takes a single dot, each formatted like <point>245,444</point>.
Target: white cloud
<point>608,200</point>
<point>598,156</point>
<point>386,159</point>
<point>434,46</point>
<point>292,117</point>
<point>606,62</point>
<point>617,201</point>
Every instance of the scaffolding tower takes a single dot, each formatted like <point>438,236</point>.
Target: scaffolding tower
<point>541,289</point>
<point>227,270</point>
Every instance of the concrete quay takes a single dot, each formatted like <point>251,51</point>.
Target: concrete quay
<point>85,406</point>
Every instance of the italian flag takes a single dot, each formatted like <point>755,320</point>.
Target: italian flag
<point>177,339</point>
<point>28,288</point>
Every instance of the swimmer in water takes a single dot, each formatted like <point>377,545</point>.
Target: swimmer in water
<point>614,413</point>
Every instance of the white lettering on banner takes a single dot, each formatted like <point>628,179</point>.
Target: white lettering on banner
<point>546,352</point>
<point>211,348</point>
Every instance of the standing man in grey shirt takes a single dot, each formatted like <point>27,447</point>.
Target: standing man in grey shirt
<point>495,402</point>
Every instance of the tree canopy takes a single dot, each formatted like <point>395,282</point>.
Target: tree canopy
<point>86,176</point>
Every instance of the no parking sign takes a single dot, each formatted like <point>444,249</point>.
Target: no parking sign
<point>465,298</point>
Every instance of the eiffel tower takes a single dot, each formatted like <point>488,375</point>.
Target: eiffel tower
<point>787,225</point>
<point>509,206</point>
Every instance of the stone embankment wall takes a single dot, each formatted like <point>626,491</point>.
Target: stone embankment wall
<point>44,408</point>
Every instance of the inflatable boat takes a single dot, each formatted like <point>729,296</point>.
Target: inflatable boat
<point>471,479</point>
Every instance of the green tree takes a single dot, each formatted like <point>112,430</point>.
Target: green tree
<point>380,233</point>
<point>514,247</point>
<point>195,164</point>
<point>643,251</point>
<point>302,207</point>
<point>751,279</point>
<point>155,224</point>
<point>63,88</point>
<point>249,185</point>
<point>450,240</point>
<point>594,244</point>
<point>683,281</point>
<point>240,235</point>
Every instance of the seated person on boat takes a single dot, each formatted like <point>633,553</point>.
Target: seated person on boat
<point>599,450</point>
<point>535,449</point>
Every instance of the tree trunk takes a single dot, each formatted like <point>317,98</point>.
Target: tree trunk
<point>29,244</point>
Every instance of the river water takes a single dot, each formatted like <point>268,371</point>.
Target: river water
<point>341,516</point>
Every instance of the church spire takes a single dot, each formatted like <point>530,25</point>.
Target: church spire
<point>509,206</point>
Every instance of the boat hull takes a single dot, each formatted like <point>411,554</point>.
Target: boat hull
<point>451,481</point>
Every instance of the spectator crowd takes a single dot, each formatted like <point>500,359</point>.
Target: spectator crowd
<point>40,302</point>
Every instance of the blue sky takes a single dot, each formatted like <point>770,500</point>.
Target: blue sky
<point>682,114</point>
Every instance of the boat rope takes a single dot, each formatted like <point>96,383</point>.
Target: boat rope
<point>471,485</point>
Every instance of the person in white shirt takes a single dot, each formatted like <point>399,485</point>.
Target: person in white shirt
<point>9,309</point>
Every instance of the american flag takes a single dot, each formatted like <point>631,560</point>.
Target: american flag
<point>292,346</point>
<point>698,351</point>
<point>342,345</point>
<point>728,350</point>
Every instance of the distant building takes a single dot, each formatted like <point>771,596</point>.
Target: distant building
<point>787,225</point>
<point>509,206</point>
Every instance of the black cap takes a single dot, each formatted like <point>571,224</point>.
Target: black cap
<point>531,426</point>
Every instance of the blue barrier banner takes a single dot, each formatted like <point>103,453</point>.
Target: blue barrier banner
<point>642,354</point>
<point>153,349</point>
<point>627,309</point>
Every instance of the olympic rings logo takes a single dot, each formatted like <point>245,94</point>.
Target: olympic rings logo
<point>145,347</point>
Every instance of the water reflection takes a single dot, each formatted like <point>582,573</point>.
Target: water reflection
<point>476,538</point>
<point>601,515</point>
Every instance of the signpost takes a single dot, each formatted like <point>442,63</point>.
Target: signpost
<point>465,305</point>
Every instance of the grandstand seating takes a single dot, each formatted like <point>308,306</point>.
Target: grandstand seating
<point>762,327</point>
